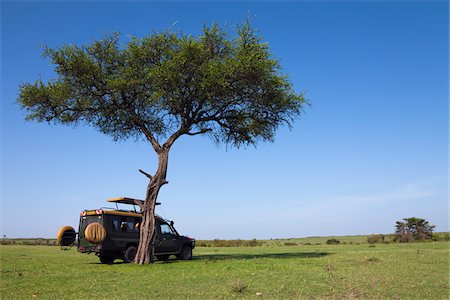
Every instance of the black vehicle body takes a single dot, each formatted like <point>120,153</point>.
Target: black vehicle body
<point>122,236</point>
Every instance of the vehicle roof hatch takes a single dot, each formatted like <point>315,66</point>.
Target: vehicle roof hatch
<point>126,200</point>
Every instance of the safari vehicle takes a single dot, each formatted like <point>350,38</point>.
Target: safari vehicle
<point>114,234</point>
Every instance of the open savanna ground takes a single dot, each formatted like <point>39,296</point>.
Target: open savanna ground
<point>395,271</point>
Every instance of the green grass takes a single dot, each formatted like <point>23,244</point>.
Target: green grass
<point>406,271</point>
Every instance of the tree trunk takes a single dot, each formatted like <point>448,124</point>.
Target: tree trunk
<point>147,236</point>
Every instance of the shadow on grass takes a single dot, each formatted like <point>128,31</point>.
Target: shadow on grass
<point>213,257</point>
<point>116,262</point>
<point>120,262</point>
<point>260,255</point>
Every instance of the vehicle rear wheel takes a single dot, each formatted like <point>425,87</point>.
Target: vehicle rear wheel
<point>129,254</point>
<point>162,257</point>
<point>106,259</point>
<point>186,253</point>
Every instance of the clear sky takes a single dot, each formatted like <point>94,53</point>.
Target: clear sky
<point>372,149</point>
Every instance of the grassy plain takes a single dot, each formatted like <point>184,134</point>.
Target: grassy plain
<point>393,271</point>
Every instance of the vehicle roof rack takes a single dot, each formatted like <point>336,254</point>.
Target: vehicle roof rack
<point>126,200</point>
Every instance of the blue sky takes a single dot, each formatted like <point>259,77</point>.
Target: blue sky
<point>372,149</point>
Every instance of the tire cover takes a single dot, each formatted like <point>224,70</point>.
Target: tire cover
<point>66,236</point>
<point>95,233</point>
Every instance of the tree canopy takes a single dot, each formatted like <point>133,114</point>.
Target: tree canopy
<point>413,229</point>
<point>168,84</point>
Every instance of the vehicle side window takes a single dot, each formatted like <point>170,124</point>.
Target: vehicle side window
<point>166,230</point>
<point>131,224</point>
<point>124,224</point>
<point>116,222</point>
<point>138,223</point>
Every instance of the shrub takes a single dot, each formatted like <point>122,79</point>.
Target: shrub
<point>30,242</point>
<point>441,236</point>
<point>254,243</point>
<point>376,238</point>
<point>229,243</point>
<point>290,244</point>
<point>373,259</point>
<point>238,286</point>
<point>333,242</point>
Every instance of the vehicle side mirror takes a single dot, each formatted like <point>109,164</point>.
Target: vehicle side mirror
<point>171,223</point>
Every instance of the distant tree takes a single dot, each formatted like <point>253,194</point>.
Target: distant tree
<point>413,229</point>
<point>164,86</point>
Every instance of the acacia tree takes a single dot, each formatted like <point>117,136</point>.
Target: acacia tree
<point>413,229</point>
<point>164,86</point>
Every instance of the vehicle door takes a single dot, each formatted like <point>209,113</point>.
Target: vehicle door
<point>168,242</point>
<point>123,231</point>
<point>84,222</point>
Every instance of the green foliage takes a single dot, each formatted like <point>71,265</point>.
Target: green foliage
<point>441,236</point>
<point>332,242</point>
<point>168,84</point>
<point>376,239</point>
<point>413,229</point>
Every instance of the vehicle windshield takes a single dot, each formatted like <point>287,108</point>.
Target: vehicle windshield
<point>166,229</point>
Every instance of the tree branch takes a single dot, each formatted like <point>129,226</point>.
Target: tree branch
<point>156,146</point>
<point>173,138</point>
<point>146,174</point>
<point>202,131</point>
<point>182,130</point>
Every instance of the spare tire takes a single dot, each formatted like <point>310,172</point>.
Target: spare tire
<point>66,236</point>
<point>95,233</point>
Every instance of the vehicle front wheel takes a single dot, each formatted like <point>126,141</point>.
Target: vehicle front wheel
<point>106,259</point>
<point>186,253</point>
<point>129,254</point>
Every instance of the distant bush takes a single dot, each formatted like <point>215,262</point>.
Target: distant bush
<point>376,238</point>
<point>229,243</point>
<point>441,236</point>
<point>253,243</point>
<point>29,242</point>
<point>290,244</point>
<point>332,242</point>
<point>373,259</point>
